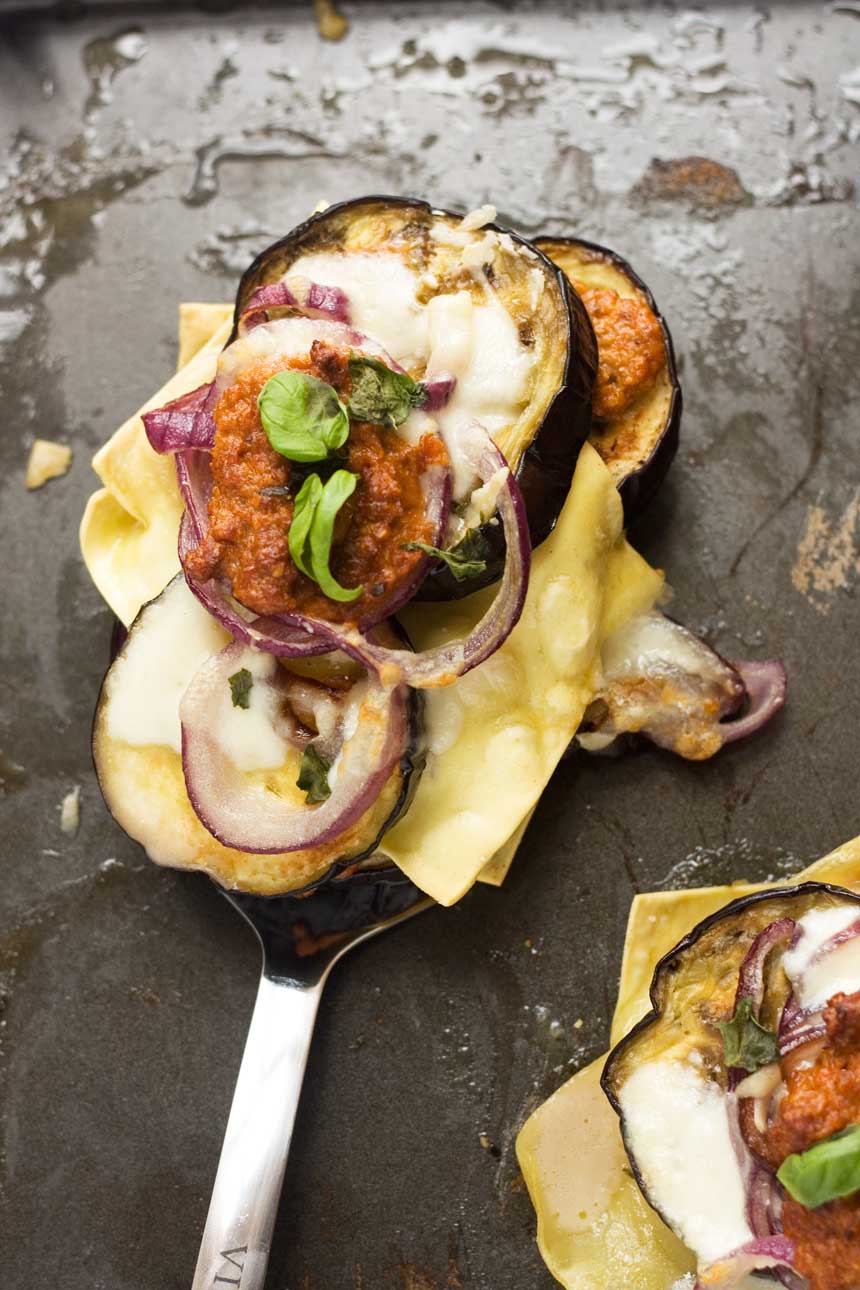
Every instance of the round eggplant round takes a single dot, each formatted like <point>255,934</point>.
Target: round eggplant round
<point>394,260</point>
<point>677,1046</point>
<point>638,437</point>
<point>138,761</point>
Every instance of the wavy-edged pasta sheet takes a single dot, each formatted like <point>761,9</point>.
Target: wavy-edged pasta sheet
<point>498,733</point>
<point>594,1228</point>
<point>130,526</point>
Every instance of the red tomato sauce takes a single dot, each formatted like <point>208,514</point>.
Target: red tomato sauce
<point>248,540</point>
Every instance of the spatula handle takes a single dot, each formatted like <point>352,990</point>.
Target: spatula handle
<point>234,1252</point>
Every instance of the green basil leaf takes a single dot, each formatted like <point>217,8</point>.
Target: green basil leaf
<point>335,492</point>
<point>313,776</point>
<point>460,565</point>
<point>747,1045</point>
<point>304,508</point>
<point>380,395</point>
<point>302,416</point>
<point>241,684</point>
<point>827,1171</point>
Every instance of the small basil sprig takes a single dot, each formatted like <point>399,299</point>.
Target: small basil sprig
<point>380,395</point>
<point>312,530</point>
<point>241,684</point>
<point>747,1045</point>
<point>827,1171</point>
<point>313,776</point>
<point>302,416</point>
<point>465,560</point>
<point>460,565</point>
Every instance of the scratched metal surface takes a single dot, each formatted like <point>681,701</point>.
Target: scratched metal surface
<point>143,163</point>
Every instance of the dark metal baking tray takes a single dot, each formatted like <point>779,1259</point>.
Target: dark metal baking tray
<point>144,159</point>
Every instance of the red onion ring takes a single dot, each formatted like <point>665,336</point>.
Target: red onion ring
<point>218,791</point>
<point>183,423</point>
<point>319,301</point>
<point>765,682</point>
<point>439,390</point>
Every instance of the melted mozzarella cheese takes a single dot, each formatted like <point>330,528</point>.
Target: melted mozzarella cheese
<point>652,644</point>
<point>171,642</point>
<point>478,342</point>
<point>815,972</point>
<point>174,639</point>
<point>381,293</point>
<point>677,1128</point>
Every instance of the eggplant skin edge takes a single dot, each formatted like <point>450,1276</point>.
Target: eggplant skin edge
<point>638,488</point>
<point>666,965</point>
<point>411,767</point>
<point>546,467</point>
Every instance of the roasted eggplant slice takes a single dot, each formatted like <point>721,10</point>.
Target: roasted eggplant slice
<point>749,1059</point>
<point>462,298</point>
<point>637,395</point>
<point>272,742</point>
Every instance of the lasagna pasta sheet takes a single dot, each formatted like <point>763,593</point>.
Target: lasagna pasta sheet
<point>594,1228</point>
<point>496,736</point>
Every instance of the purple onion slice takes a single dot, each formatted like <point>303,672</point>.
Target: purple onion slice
<point>439,390</point>
<point>312,299</point>
<point>765,682</point>
<point>751,975</point>
<point>269,633</point>
<point>184,423</point>
<point>373,737</point>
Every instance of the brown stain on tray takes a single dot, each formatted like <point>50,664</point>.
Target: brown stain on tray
<point>697,180</point>
<point>828,554</point>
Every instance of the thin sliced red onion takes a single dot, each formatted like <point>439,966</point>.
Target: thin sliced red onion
<point>806,1031</point>
<point>751,975</point>
<point>186,422</point>
<point>327,302</point>
<point>765,681</point>
<point>763,1198</point>
<point>764,1201</point>
<point>849,933</point>
<point>762,1254</point>
<point>439,390</point>
<point>218,790</point>
<point>313,299</point>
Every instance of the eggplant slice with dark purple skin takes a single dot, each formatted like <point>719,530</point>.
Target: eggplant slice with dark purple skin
<point>398,268</point>
<point>635,427</point>
<point>703,1078</point>
<point>141,757</point>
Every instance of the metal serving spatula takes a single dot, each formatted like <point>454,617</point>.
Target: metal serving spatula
<point>302,939</point>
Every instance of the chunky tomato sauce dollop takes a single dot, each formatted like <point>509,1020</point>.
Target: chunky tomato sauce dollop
<point>822,1098</point>
<point>248,539</point>
<point>631,351</point>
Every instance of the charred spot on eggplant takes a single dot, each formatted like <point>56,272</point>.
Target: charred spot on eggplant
<point>637,407</point>
<point>140,770</point>
<point>418,254</point>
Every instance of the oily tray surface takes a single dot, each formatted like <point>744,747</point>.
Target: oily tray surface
<point>128,988</point>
